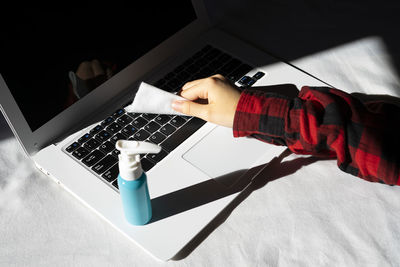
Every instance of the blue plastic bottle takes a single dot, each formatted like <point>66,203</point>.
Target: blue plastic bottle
<point>132,181</point>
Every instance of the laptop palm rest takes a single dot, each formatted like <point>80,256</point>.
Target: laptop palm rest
<point>219,155</point>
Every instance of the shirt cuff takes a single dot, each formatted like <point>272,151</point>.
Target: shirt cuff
<point>259,112</point>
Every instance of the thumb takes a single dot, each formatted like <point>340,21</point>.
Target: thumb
<point>190,108</point>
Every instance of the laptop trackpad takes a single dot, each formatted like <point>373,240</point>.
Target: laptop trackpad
<point>219,154</point>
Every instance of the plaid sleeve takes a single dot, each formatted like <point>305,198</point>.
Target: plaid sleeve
<point>327,122</point>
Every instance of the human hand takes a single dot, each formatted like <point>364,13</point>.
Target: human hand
<point>92,73</point>
<point>91,69</point>
<point>222,98</point>
<point>88,76</point>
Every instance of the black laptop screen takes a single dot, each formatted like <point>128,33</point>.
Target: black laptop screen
<point>51,58</point>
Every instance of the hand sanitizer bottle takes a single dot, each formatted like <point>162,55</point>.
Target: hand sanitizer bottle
<point>132,180</point>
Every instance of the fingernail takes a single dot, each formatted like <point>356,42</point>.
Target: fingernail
<point>177,105</point>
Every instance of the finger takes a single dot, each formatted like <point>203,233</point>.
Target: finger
<point>191,84</point>
<point>97,68</point>
<point>195,82</point>
<point>84,71</point>
<point>219,76</point>
<point>191,108</point>
<point>195,92</point>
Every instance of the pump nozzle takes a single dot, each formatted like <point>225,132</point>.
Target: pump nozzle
<point>129,159</point>
<point>136,147</point>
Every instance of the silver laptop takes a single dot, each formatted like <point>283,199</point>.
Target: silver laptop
<point>63,94</point>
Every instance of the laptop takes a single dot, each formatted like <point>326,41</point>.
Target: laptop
<point>63,93</point>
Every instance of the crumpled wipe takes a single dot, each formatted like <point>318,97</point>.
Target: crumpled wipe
<point>150,99</point>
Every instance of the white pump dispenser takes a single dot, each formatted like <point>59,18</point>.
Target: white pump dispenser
<point>129,164</point>
<point>132,181</point>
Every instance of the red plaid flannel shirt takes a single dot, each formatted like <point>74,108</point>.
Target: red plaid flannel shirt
<point>323,121</point>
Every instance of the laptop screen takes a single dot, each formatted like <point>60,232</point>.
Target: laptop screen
<point>51,59</point>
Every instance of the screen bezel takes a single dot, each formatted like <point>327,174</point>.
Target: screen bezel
<point>33,141</point>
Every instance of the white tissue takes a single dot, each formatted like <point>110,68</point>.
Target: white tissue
<point>150,99</point>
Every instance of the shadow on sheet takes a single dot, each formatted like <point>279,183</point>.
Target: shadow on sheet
<point>211,190</point>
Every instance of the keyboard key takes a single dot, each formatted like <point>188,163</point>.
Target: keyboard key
<point>212,54</point>
<point>182,134</point>
<point>183,76</point>
<point>193,68</point>
<point>167,88</point>
<point>118,113</point>
<point>134,115</point>
<point>230,66</point>
<point>84,138</point>
<point>179,69</point>
<point>245,80</point>
<point>160,83</point>
<point>239,72</point>
<point>114,127</point>
<point>152,126</point>
<point>216,64</point>
<point>201,62</point>
<point>91,144</point>
<point>197,76</point>
<point>115,184</point>
<point>80,153</point>
<point>115,153</point>
<point>205,72</point>
<point>147,164</point>
<point>112,173</point>
<point>103,136</point>
<point>96,129</point>
<point>72,147</point>
<point>251,83</point>
<point>107,121</point>
<point>169,76</point>
<point>224,58</point>
<point>188,62</point>
<point>157,157</point>
<point>167,129</point>
<point>107,147</point>
<point>139,122</point>
<point>124,120</point>
<point>129,130</point>
<point>258,75</point>
<point>186,118</point>
<point>141,135</point>
<point>157,138</point>
<point>177,121</point>
<point>149,116</point>
<point>174,84</point>
<point>104,164</point>
<point>198,54</point>
<point>93,157</point>
<point>118,136</point>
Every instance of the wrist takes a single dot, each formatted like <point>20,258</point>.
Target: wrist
<point>260,112</point>
<point>238,116</point>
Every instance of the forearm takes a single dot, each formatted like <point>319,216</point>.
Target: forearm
<point>324,122</point>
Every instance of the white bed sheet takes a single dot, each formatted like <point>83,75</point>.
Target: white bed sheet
<point>316,216</point>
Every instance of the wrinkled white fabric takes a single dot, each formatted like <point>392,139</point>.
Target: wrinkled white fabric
<point>150,99</point>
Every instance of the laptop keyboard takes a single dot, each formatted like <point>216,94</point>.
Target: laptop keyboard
<point>96,149</point>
